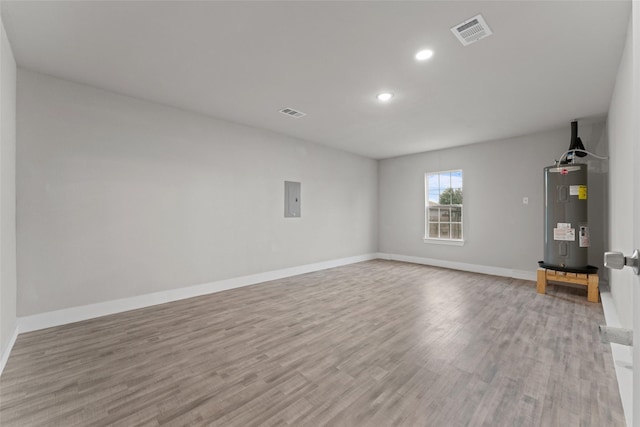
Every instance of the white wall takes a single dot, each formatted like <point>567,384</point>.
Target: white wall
<point>7,194</point>
<point>620,127</point>
<point>623,117</point>
<point>500,231</point>
<point>121,197</point>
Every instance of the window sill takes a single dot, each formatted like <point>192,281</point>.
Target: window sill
<point>444,242</point>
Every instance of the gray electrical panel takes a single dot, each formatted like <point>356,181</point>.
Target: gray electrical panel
<point>566,238</point>
<point>292,203</point>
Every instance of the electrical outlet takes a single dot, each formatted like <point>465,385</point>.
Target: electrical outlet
<point>525,200</point>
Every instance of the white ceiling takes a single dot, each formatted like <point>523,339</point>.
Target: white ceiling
<point>546,63</point>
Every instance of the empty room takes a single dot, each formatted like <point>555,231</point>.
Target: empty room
<point>319,213</point>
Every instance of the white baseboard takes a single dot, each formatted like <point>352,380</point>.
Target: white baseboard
<point>7,350</point>
<point>85,312</point>
<point>474,268</point>
<point>622,355</point>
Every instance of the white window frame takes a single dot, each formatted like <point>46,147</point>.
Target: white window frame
<point>428,221</point>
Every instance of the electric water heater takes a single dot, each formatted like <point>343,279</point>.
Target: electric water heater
<point>566,239</point>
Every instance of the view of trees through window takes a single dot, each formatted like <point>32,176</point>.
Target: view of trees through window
<point>443,205</point>
<point>451,196</point>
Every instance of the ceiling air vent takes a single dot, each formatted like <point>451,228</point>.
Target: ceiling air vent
<point>471,30</point>
<point>293,113</point>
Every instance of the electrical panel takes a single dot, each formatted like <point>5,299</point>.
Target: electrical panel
<point>292,203</point>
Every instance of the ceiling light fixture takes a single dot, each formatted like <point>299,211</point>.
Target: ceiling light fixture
<point>384,96</point>
<point>423,55</point>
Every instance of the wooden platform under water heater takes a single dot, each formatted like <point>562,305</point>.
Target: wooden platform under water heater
<point>588,280</point>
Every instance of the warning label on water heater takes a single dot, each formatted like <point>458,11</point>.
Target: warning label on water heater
<point>584,236</point>
<point>563,231</point>
<point>578,190</point>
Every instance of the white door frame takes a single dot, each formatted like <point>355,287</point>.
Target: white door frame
<point>635,24</point>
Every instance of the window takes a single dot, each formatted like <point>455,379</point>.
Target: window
<point>443,207</point>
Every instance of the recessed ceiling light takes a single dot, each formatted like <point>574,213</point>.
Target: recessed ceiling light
<point>423,55</point>
<point>384,96</point>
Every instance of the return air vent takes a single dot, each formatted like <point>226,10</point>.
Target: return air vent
<point>471,30</point>
<point>293,113</point>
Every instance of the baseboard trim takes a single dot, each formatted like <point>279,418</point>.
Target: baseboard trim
<point>7,351</point>
<point>622,355</point>
<point>474,268</point>
<point>76,314</point>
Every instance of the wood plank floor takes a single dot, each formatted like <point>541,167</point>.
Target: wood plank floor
<point>378,343</point>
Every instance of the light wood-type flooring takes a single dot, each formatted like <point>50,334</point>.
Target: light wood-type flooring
<point>378,343</point>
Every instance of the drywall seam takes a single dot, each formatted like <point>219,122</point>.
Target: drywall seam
<point>474,268</point>
<point>76,314</point>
